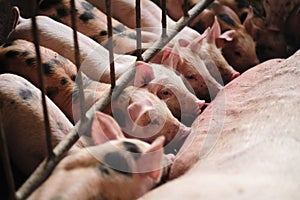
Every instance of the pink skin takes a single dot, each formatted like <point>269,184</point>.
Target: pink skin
<point>23,122</point>
<point>169,87</point>
<point>85,167</point>
<point>144,116</point>
<point>277,12</point>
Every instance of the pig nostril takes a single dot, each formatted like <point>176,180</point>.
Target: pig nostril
<point>235,75</point>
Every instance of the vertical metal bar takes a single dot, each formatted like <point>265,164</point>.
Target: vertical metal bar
<point>110,44</point>
<point>138,30</point>
<point>6,163</point>
<point>164,18</point>
<point>42,85</point>
<point>185,8</point>
<point>77,63</point>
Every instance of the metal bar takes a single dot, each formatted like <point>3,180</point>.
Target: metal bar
<point>164,18</point>
<point>110,44</point>
<point>77,62</point>
<point>37,176</point>
<point>6,163</point>
<point>185,8</point>
<point>42,86</point>
<point>138,30</point>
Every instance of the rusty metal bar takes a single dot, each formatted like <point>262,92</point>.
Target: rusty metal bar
<point>110,44</point>
<point>164,18</point>
<point>185,8</point>
<point>42,86</point>
<point>44,169</point>
<point>138,30</point>
<point>6,163</point>
<point>77,62</point>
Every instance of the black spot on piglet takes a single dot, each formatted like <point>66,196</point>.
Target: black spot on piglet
<point>118,162</point>
<point>30,61</point>
<point>86,16</point>
<point>48,66</point>
<point>131,147</point>
<point>25,93</point>
<point>120,117</point>
<point>227,19</point>
<point>12,53</point>
<point>87,6</point>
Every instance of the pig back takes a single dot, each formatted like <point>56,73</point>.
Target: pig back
<point>246,143</point>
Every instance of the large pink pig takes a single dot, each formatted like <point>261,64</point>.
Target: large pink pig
<point>23,123</point>
<point>277,12</point>
<point>246,147</point>
<point>116,168</point>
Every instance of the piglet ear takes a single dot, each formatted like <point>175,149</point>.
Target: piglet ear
<point>214,32</point>
<point>171,57</point>
<point>150,161</point>
<point>196,44</point>
<point>105,128</point>
<point>225,37</point>
<point>144,74</point>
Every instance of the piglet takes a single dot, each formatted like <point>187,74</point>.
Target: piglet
<point>277,12</point>
<point>186,55</point>
<point>269,44</point>
<point>143,115</point>
<point>23,123</point>
<point>169,87</point>
<point>94,58</point>
<point>93,23</point>
<point>238,47</point>
<point>116,168</point>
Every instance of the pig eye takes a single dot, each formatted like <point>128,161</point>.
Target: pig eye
<point>237,53</point>
<point>164,94</point>
<point>191,77</point>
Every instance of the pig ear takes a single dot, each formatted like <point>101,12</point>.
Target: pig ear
<point>105,128</point>
<point>150,161</point>
<point>196,44</point>
<point>225,37</point>
<point>214,32</point>
<point>171,57</point>
<point>137,109</point>
<point>144,74</point>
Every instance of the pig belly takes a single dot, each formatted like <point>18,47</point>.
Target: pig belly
<point>250,150</point>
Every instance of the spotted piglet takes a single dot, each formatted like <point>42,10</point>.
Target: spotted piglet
<point>22,117</point>
<point>60,74</point>
<point>93,23</point>
<point>116,168</point>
